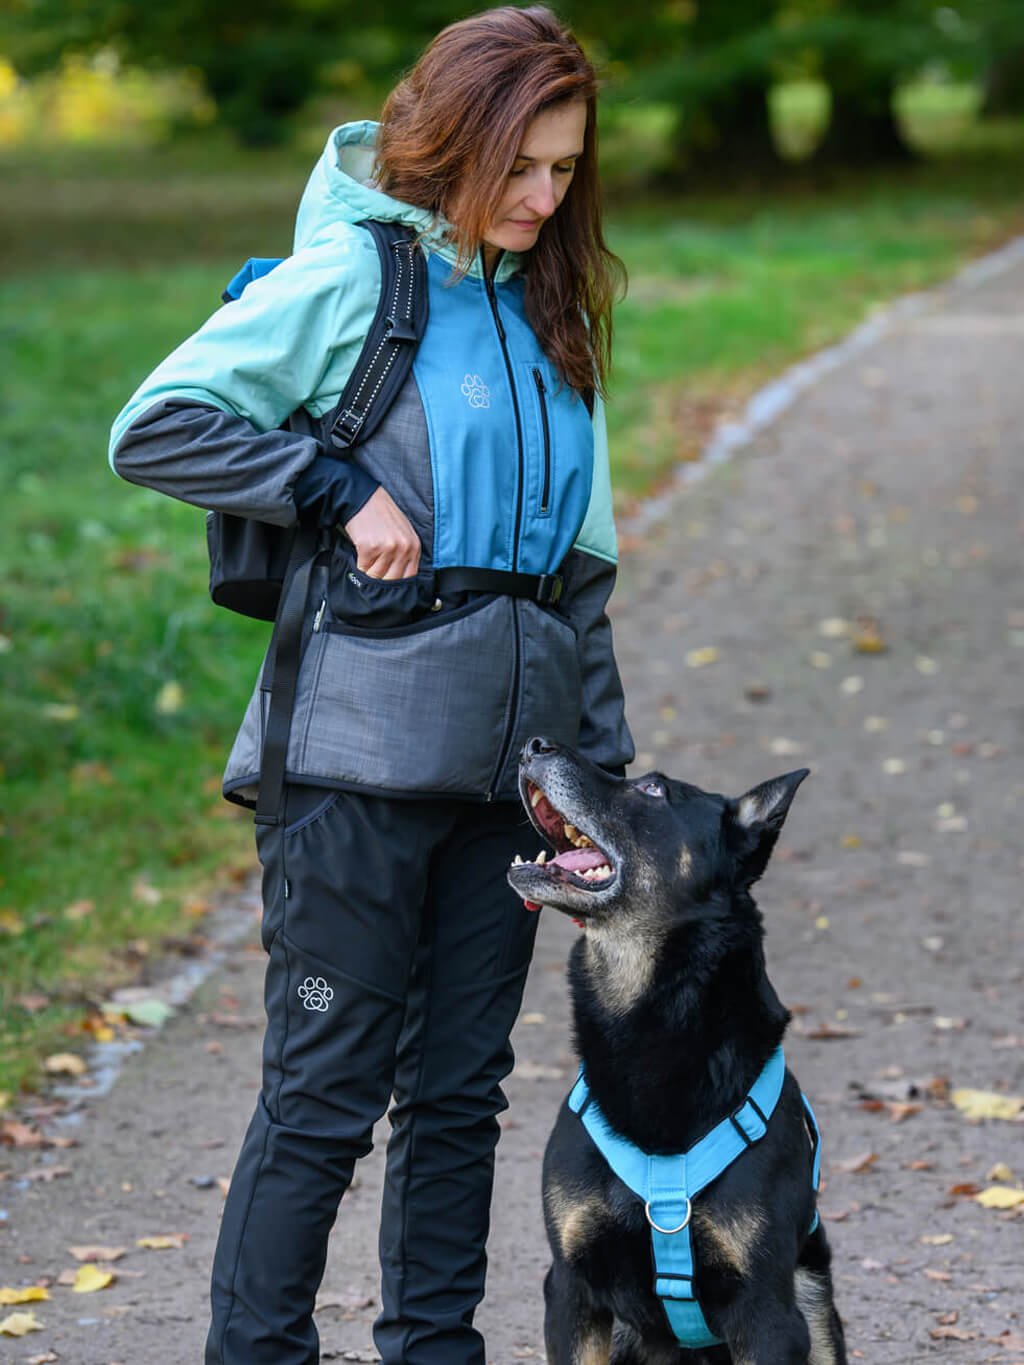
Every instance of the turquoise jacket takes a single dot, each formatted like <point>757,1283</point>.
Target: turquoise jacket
<point>497,464</point>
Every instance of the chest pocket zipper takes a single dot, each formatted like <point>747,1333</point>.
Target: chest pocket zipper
<point>545,497</point>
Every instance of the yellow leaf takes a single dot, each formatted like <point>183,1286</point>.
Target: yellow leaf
<point>19,1324</point>
<point>33,1293</point>
<point>11,922</point>
<point>987,1104</point>
<point>936,1239</point>
<point>65,1064</point>
<point>167,1242</point>
<point>5,1100</point>
<point>90,1278</point>
<point>1000,1197</point>
<point>700,658</point>
<point>851,841</point>
<point>1000,1171</point>
<point>170,699</point>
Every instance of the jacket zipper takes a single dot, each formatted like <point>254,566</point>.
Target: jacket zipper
<point>545,496</point>
<point>513,707</point>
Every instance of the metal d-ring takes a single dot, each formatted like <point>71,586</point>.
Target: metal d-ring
<point>669,1232</point>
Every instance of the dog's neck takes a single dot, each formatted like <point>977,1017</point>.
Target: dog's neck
<point>672,1035</point>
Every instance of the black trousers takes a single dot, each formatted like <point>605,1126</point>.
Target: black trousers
<point>397,960</point>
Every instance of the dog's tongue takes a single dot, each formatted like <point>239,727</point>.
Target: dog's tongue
<point>580,859</point>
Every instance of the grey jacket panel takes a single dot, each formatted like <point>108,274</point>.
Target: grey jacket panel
<point>215,460</point>
<point>604,733</point>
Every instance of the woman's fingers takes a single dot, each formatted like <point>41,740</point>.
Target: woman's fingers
<point>387,545</point>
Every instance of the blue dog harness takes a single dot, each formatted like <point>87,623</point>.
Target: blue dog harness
<point>668,1185</point>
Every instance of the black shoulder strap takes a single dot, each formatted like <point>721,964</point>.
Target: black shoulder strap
<point>390,346</point>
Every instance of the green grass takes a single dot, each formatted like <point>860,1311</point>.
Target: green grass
<point>121,685</point>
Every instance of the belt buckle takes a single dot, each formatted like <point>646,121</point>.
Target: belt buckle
<point>549,589</point>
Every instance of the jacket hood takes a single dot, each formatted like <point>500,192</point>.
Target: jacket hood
<point>341,190</point>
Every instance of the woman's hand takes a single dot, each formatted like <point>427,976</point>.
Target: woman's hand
<point>386,544</point>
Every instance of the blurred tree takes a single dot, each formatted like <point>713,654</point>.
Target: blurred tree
<point>1001,33</point>
<point>259,59</point>
<point>866,50</point>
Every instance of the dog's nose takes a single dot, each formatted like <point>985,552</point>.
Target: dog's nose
<point>538,746</point>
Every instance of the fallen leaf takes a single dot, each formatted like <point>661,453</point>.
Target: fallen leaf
<point>65,1064</point>
<point>900,1112</point>
<point>1000,1171</point>
<point>167,1241</point>
<point>829,1032</point>
<point>45,1359</point>
<point>1000,1197</point>
<point>79,910</point>
<point>534,1018</point>
<point>19,1324</point>
<point>223,1184</point>
<point>47,1174</point>
<point>170,699</point>
<point>936,1239</point>
<point>16,1134</point>
<point>967,1188</point>
<point>32,1293</point>
<point>97,1253</point>
<point>700,658</point>
<point>948,1319</point>
<point>90,1278</point>
<point>855,1165</point>
<point>942,1275</point>
<point>144,893</point>
<point>987,1104</point>
<point>951,1334</point>
<point>149,1013</point>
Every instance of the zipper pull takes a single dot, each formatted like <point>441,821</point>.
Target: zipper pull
<point>319,615</point>
<point>539,380</point>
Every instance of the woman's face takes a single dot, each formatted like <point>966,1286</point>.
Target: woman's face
<point>539,178</point>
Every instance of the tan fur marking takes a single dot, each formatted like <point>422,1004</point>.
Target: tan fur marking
<point>685,861</point>
<point>620,968</point>
<point>594,1350</point>
<point>576,1220</point>
<point>733,1240</point>
<point>813,1301</point>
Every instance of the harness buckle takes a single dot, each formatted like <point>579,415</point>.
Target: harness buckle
<point>749,1121</point>
<point>669,1232</point>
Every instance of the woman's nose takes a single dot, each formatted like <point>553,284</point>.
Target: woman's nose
<point>541,199</point>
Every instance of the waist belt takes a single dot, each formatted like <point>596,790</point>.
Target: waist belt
<point>668,1185</point>
<point>538,587</point>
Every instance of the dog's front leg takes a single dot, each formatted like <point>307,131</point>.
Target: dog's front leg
<point>760,1332</point>
<point>576,1332</point>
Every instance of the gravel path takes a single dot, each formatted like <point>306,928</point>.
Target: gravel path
<point>844,593</point>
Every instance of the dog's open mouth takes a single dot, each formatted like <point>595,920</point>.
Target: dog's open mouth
<point>579,862</point>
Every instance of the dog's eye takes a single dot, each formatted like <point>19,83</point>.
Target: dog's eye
<point>650,786</point>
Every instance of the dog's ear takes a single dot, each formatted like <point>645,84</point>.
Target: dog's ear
<point>756,818</point>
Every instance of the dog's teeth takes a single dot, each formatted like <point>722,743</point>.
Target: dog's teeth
<point>541,857</point>
<point>536,797</point>
<point>603,872</point>
<point>584,842</point>
<point>571,833</point>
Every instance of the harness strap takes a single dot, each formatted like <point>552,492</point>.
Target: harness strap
<point>540,587</point>
<point>669,1184</point>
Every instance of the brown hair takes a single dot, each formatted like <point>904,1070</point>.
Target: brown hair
<point>449,135</point>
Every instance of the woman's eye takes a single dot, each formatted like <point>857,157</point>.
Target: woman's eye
<point>566,170</point>
<point>521,171</point>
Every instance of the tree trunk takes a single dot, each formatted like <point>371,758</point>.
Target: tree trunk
<point>1003,92</point>
<point>729,137</point>
<point>863,129</point>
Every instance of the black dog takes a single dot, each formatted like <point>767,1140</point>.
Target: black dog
<point>675,1018</point>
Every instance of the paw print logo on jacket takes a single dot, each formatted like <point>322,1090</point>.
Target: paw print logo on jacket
<point>315,993</point>
<point>476,391</point>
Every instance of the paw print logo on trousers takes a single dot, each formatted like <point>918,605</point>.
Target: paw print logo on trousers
<point>315,993</point>
<point>476,391</point>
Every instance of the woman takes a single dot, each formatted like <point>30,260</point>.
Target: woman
<point>397,952</point>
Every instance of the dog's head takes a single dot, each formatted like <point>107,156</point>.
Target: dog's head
<point>644,841</point>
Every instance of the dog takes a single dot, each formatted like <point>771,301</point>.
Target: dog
<point>674,1020</point>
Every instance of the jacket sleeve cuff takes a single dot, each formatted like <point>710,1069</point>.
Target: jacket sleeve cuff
<point>330,492</point>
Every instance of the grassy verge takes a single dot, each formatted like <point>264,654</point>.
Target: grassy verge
<point>121,684</point>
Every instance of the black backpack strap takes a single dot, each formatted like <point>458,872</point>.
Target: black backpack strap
<point>283,659</point>
<point>390,346</point>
